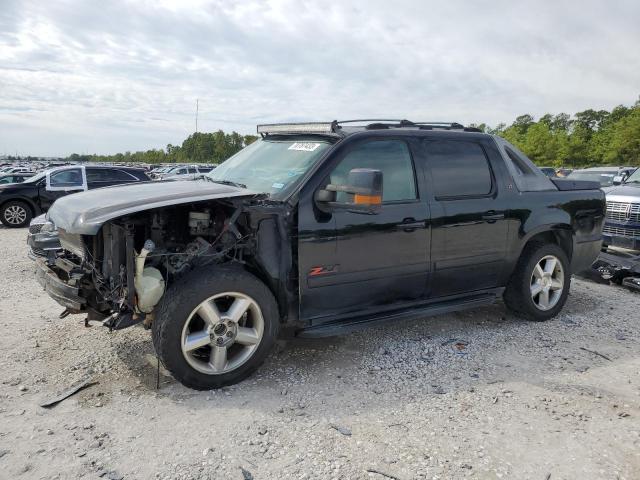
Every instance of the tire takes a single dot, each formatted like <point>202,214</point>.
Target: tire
<point>16,214</point>
<point>178,322</point>
<point>519,294</point>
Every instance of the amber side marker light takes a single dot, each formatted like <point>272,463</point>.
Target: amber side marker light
<point>359,199</point>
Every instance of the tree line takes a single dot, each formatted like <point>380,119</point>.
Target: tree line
<point>199,147</point>
<point>588,138</point>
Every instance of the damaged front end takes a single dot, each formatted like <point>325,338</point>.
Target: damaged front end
<point>119,274</point>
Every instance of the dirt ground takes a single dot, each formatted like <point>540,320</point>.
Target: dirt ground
<point>543,401</point>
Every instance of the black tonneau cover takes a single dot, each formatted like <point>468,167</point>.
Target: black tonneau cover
<point>568,184</point>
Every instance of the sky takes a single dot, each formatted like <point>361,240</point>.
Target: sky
<point>111,76</point>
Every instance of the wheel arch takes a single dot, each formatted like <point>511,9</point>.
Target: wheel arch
<point>559,234</point>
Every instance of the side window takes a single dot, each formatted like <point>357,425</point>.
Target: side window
<point>67,178</point>
<point>392,158</point>
<point>458,168</point>
<point>193,170</point>
<point>521,167</point>
<point>108,175</point>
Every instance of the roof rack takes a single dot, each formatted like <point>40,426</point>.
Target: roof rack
<point>335,127</point>
<point>404,123</point>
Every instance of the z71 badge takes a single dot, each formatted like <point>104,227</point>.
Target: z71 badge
<point>323,270</point>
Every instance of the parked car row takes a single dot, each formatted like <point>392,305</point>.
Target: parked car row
<point>15,177</point>
<point>180,172</point>
<point>173,170</point>
<point>605,176</point>
<point>20,202</point>
<point>25,194</point>
<point>553,172</point>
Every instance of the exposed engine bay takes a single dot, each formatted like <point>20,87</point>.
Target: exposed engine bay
<point>122,272</point>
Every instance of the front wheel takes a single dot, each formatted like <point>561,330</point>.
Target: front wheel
<point>539,286</point>
<point>215,327</point>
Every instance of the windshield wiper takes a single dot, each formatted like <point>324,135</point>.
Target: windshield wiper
<point>226,182</point>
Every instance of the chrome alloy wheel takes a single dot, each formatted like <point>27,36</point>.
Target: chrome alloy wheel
<point>15,215</point>
<point>222,333</point>
<point>547,282</point>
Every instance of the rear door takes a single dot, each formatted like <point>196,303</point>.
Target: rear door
<point>469,230</point>
<point>349,262</point>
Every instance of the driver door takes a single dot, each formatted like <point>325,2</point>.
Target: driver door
<point>60,183</point>
<point>350,262</point>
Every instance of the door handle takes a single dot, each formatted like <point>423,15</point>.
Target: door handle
<point>410,224</point>
<point>492,216</point>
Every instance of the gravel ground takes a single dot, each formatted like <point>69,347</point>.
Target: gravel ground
<point>479,394</point>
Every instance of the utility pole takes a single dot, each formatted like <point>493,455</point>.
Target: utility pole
<point>196,115</point>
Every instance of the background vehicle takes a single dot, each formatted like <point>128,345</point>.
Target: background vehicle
<point>563,172</point>
<point>548,171</point>
<point>14,177</point>
<point>622,224</point>
<point>603,175</point>
<point>326,227</point>
<point>12,169</point>
<point>185,172</point>
<point>19,203</point>
<point>158,171</point>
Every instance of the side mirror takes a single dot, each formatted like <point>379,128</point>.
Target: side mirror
<point>618,180</point>
<point>362,193</point>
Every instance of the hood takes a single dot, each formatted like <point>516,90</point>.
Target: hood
<point>624,193</point>
<point>84,213</point>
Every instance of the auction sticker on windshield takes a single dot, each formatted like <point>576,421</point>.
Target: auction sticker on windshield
<point>304,146</point>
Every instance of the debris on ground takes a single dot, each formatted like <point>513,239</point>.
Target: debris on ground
<point>246,474</point>
<point>87,382</point>
<point>457,346</point>
<point>595,353</point>
<point>381,473</point>
<point>342,429</point>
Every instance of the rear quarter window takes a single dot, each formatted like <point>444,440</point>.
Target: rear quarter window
<point>458,168</point>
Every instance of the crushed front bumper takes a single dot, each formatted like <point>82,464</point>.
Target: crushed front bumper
<point>61,291</point>
<point>43,242</point>
<point>43,245</point>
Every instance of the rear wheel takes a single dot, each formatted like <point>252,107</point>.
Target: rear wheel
<point>539,286</point>
<point>215,328</point>
<point>15,214</point>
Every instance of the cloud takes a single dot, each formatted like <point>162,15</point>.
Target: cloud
<point>89,76</point>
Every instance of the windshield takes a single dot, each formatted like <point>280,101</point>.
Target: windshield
<point>271,166</point>
<point>604,178</point>
<point>36,178</point>
<point>634,177</point>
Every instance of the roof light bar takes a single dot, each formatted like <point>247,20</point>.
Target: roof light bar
<point>314,127</point>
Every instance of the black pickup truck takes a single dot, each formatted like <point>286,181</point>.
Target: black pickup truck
<point>322,227</point>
